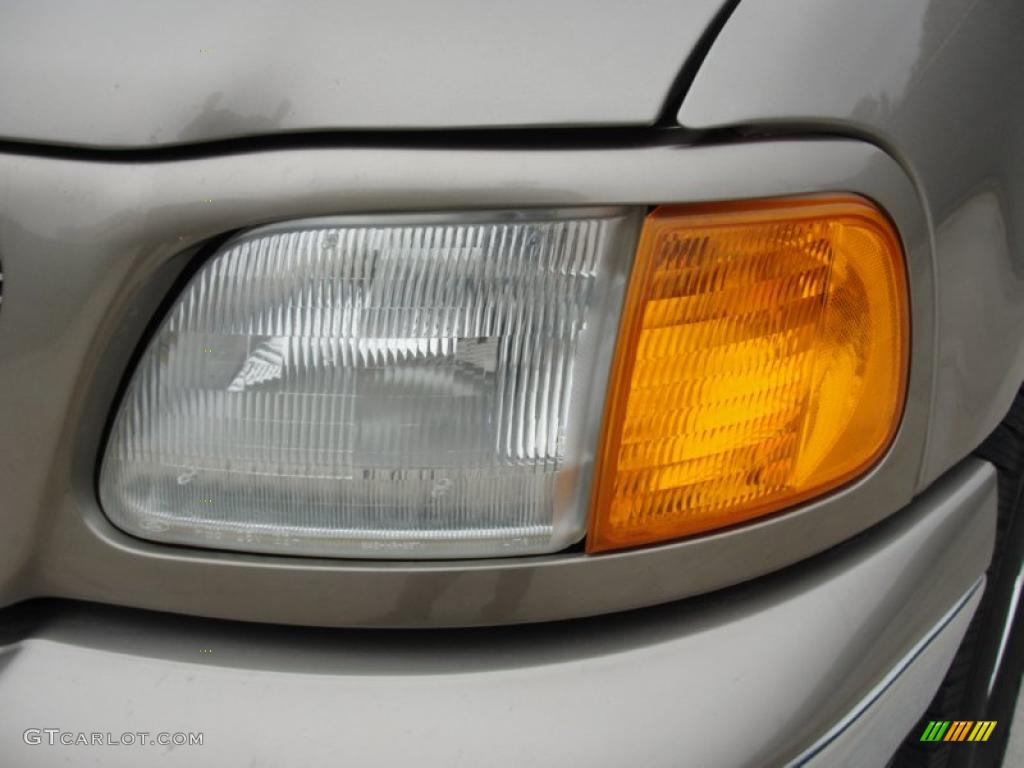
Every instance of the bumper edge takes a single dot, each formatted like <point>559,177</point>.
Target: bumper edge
<point>747,676</point>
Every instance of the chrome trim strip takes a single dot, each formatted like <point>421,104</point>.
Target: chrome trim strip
<point>890,678</point>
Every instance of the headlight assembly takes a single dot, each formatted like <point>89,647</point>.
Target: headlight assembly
<point>434,386</point>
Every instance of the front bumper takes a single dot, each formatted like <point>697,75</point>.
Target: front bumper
<point>829,662</point>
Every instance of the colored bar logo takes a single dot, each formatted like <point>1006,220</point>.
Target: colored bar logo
<point>958,730</point>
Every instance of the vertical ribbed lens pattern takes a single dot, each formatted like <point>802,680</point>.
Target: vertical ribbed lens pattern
<point>764,361</point>
<point>724,369</point>
<point>376,390</point>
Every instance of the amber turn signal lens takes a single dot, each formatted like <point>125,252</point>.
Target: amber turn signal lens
<point>761,361</point>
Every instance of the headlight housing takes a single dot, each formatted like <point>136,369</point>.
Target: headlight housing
<point>434,386</point>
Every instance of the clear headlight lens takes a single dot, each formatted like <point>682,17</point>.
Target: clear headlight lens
<point>403,387</point>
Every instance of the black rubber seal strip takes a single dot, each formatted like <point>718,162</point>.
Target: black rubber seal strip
<point>684,79</point>
<point>664,131</point>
